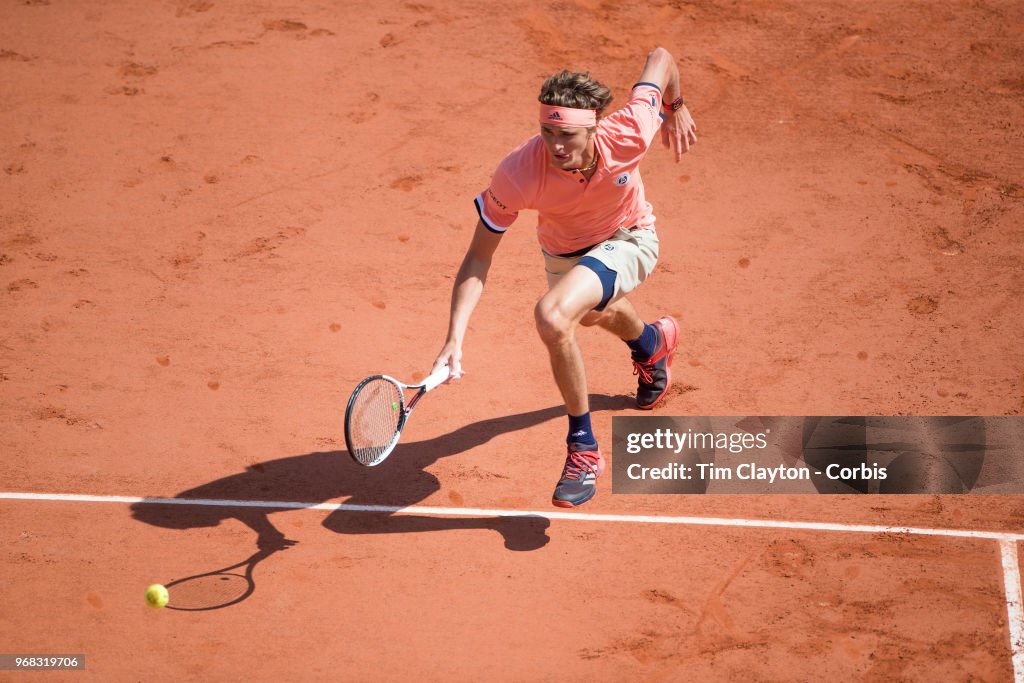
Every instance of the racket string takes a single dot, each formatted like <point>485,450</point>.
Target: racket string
<point>374,419</point>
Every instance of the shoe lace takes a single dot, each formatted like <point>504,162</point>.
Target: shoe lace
<point>578,463</point>
<point>644,371</point>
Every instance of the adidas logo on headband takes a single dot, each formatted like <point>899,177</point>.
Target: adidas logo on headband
<point>568,116</point>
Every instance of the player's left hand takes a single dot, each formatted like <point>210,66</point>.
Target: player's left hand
<point>678,131</point>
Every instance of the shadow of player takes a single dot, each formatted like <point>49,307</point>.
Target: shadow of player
<point>918,454</point>
<point>400,482</point>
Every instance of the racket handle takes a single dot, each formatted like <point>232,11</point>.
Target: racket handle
<point>436,378</point>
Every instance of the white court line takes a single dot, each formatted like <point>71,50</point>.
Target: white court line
<point>480,512</point>
<point>1014,610</point>
<point>1007,541</point>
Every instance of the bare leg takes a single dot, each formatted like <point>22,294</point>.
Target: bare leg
<point>558,313</point>
<point>619,318</point>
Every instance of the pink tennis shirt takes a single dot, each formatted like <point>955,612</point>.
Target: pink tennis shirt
<point>574,213</point>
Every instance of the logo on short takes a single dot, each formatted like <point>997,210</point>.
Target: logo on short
<point>622,179</point>
<point>609,247</point>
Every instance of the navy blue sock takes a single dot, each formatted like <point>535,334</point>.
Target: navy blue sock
<point>646,344</point>
<point>580,430</point>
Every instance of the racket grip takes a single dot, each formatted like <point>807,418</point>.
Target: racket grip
<point>436,378</point>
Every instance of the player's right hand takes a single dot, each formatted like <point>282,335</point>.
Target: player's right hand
<point>451,355</point>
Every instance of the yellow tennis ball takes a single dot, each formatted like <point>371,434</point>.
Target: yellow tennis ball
<point>157,596</point>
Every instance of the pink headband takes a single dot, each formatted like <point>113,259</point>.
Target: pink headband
<point>567,116</point>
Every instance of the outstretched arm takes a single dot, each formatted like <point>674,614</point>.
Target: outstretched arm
<point>469,285</point>
<point>678,131</point>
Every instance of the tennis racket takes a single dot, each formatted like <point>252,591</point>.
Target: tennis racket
<point>377,411</point>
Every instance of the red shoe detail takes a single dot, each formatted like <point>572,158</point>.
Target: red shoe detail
<point>669,335</point>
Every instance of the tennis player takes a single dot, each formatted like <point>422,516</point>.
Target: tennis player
<point>581,173</point>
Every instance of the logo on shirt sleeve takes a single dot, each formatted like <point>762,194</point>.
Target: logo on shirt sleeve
<point>495,200</point>
<point>622,179</point>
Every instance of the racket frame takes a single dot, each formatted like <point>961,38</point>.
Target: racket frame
<point>434,380</point>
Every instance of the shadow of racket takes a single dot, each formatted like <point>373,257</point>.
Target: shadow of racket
<point>220,588</point>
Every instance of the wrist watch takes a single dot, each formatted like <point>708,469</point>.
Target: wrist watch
<point>675,104</point>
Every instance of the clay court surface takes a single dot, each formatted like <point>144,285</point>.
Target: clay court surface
<point>217,217</point>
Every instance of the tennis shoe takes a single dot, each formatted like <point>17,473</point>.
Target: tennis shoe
<point>654,374</point>
<point>578,484</point>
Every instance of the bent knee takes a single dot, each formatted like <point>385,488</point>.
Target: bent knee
<point>552,323</point>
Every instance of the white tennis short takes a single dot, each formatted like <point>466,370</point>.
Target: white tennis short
<point>631,254</point>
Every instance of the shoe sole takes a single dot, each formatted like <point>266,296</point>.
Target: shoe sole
<point>559,503</point>
<point>669,357</point>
